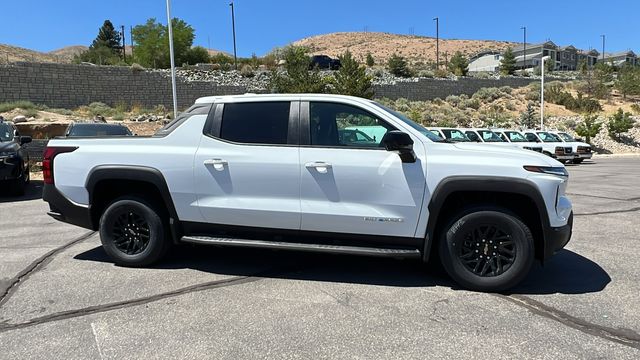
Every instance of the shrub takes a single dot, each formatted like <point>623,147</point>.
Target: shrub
<point>118,116</point>
<point>636,108</point>
<point>506,89</point>
<point>619,124</point>
<point>370,60</point>
<point>121,107</point>
<point>533,92</point>
<point>98,108</point>
<point>397,66</point>
<point>296,77</point>
<point>470,104</point>
<point>30,113</point>
<point>351,78</point>
<point>459,65</point>
<point>589,128</point>
<point>441,73</point>
<point>426,74</point>
<point>569,124</point>
<point>487,94</point>
<point>453,100</point>
<point>66,112</point>
<point>8,106</point>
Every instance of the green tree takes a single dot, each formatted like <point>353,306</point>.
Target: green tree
<point>589,128</point>
<point>351,78</point>
<point>297,76</point>
<point>508,62</point>
<point>152,39</point>
<point>628,81</point>
<point>105,49</point>
<point>397,65</point>
<point>370,60</point>
<point>529,116</point>
<point>459,65</point>
<point>197,55</point>
<point>619,124</point>
<point>583,67</point>
<point>549,65</point>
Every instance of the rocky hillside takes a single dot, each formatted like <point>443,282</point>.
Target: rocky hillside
<point>9,53</point>
<point>67,53</point>
<point>383,45</point>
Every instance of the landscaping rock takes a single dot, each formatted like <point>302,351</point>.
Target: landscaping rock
<point>19,119</point>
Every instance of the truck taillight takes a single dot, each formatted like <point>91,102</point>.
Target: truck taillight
<point>47,160</point>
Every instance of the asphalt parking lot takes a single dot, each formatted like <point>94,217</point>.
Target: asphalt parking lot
<point>60,296</point>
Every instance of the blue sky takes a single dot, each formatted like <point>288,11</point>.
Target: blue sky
<point>261,25</point>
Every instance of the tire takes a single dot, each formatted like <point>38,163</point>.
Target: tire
<point>577,161</point>
<point>464,250</point>
<point>132,233</point>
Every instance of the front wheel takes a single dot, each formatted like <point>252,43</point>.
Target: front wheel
<point>487,250</point>
<point>577,161</point>
<point>132,233</point>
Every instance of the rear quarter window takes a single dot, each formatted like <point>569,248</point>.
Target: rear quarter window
<point>256,122</point>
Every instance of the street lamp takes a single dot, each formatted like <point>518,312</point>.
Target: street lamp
<point>437,20</point>
<point>524,45</point>
<point>233,26</point>
<point>603,39</point>
<point>173,64</point>
<point>544,58</point>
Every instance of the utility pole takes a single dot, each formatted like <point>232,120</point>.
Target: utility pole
<point>233,26</point>
<point>173,64</point>
<point>131,39</point>
<point>544,58</point>
<point>524,45</point>
<point>124,45</point>
<point>437,20</point>
<point>603,39</point>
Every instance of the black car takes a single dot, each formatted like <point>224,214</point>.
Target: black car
<point>325,62</point>
<point>14,159</point>
<point>96,129</point>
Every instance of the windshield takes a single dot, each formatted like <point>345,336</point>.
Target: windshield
<point>548,137</point>
<point>6,132</point>
<point>431,136</point>
<point>98,130</point>
<point>490,136</point>
<point>515,136</point>
<point>455,135</point>
<point>566,137</point>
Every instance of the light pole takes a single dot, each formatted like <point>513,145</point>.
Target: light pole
<point>524,45</point>
<point>603,39</point>
<point>437,20</point>
<point>233,26</point>
<point>173,63</point>
<point>545,58</point>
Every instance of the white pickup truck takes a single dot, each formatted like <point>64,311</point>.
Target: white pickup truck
<point>275,171</point>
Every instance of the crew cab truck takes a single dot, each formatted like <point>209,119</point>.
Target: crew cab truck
<point>582,150</point>
<point>551,145</point>
<point>270,171</point>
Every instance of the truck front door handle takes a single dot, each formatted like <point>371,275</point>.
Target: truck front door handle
<point>320,166</point>
<point>218,164</point>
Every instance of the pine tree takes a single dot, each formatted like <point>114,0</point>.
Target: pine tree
<point>397,65</point>
<point>628,81</point>
<point>108,36</point>
<point>297,78</point>
<point>619,123</point>
<point>589,128</point>
<point>351,78</point>
<point>508,62</point>
<point>459,65</point>
<point>370,60</point>
<point>528,117</point>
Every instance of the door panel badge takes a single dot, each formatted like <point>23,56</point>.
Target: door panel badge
<point>383,219</point>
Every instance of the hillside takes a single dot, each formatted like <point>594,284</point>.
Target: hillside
<point>9,53</point>
<point>383,45</point>
<point>67,53</point>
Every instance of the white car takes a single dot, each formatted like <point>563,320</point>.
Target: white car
<point>271,171</point>
<point>551,145</point>
<point>450,134</point>
<point>515,137</point>
<point>581,149</point>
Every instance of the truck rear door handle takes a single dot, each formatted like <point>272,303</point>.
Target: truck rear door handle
<point>218,164</point>
<point>320,166</point>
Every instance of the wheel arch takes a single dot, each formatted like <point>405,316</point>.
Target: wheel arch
<point>455,193</point>
<point>107,182</point>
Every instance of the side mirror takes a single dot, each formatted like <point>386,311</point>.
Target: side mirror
<point>25,140</point>
<point>401,142</point>
<point>579,139</point>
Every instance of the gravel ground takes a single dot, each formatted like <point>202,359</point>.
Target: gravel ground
<point>60,296</point>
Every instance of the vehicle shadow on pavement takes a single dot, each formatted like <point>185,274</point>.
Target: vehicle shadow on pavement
<point>33,191</point>
<point>567,272</point>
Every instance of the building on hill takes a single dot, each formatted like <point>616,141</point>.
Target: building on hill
<point>590,57</point>
<point>488,60</point>
<point>621,58</point>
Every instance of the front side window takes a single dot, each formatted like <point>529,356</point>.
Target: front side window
<point>6,132</point>
<point>548,137</point>
<point>333,124</point>
<point>455,135</point>
<point>566,137</point>
<point>472,136</point>
<point>517,137</point>
<point>256,122</point>
<point>531,137</point>
<point>489,136</point>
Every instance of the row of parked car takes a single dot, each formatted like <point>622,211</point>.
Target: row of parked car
<point>559,145</point>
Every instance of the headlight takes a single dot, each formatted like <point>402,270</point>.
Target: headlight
<point>8,153</point>
<point>551,170</point>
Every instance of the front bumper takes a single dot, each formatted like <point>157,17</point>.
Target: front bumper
<point>62,209</point>
<point>557,238</point>
<point>9,168</point>
<point>585,155</point>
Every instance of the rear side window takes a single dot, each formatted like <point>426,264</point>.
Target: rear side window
<point>256,122</point>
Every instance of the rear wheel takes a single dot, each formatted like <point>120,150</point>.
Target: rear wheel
<point>132,233</point>
<point>577,161</point>
<point>487,250</point>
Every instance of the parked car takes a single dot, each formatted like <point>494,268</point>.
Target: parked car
<point>325,62</point>
<point>581,149</point>
<point>551,145</point>
<point>96,129</point>
<point>271,171</point>
<point>14,159</point>
<point>486,136</point>
<point>516,137</point>
<point>451,134</point>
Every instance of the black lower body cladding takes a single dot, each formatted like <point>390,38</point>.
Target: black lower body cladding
<point>62,209</point>
<point>557,238</point>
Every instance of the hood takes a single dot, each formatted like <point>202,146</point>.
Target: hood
<point>8,146</point>
<point>506,154</point>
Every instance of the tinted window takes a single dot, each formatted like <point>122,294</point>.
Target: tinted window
<point>548,137</point>
<point>472,136</point>
<point>489,136</point>
<point>413,124</point>
<point>531,137</point>
<point>98,130</point>
<point>6,132</point>
<point>516,137</point>
<point>256,122</point>
<point>455,135</point>
<point>344,125</point>
<point>566,137</point>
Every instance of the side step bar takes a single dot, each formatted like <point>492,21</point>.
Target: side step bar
<point>335,249</point>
